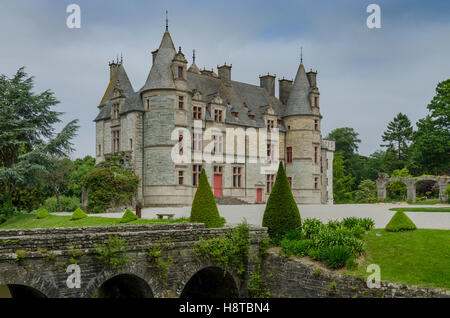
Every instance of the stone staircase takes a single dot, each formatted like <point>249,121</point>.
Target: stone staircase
<point>230,201</point>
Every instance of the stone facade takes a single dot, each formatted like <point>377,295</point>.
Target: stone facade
<point>175,99</point>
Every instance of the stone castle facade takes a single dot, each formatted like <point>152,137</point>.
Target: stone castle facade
<point>175,97</point>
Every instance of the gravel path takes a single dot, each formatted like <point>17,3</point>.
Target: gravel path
<point>254,213</point>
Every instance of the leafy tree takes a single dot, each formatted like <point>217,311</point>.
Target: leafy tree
<point>81,168</point>
<point>374,164</point>
<point>346,140</point>
<point>204,207</point>
<point>281,214</point>
<point>57,177</point>
<point>27,135</point>
<point>342,182</point>
<point>398,137</point>
<point>431,141</point>
<point>367,192</point>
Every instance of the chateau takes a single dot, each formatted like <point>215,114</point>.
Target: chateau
<point>174,97</point>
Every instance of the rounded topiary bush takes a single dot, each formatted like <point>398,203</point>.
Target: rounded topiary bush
<point>43,213</point>
<point>281,214</point>
<point>78,215</point>
<point>128,216</point>
<point>204,207</point>
<point>400,222</point>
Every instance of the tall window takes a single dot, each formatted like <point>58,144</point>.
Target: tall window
<point>148,103</point>
<point>316,101</point>
<point>116,141</point>
<point>218,144</point>
<point>196,170</point>
<point>237,177</point>
<point>218,169</point>
<point>316,124</point>
<point>269,182</point>
<point>197,143</point>
<point>235,115</point>
<point>180,102</point>
<point>115,111</point>
<point>197,113</point>
<point>180,177</point>
<point>180,143</point>
<point>217,116</point>
<point>316,183</point>
<point>131,144</point>
<point>289,154</point>
<point>270,126</point>
<point>279,122</point>
<point>180,72</point>
<point>270,152</point>
<point>316,155</point>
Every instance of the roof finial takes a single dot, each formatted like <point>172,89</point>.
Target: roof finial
<point>167,21</point>
<point>193,56</point>
<point>301,55</point>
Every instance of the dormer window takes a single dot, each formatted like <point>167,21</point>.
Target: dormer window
<point>217,116</point>
<point>236,115</point>
<point>279,122</point>
<point>115,114</point>
<point>245,105</point>
<point>197,113</point>
<point>180,73</point>
<point>252,117</point>
<point>270,125</point>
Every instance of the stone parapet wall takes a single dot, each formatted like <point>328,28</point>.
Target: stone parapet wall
<point>293,278</point>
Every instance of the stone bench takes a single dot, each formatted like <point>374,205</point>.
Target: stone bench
<point>162,215</point>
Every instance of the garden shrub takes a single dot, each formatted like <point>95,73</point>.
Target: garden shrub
<point>295,234</point>
<point>43,213</point>
<point>67,204</point>
<point>335,257</point>
<point>400,222</point>
<point>204,207</point>
<point>367,223</point>
<point>311,227</point>
<point>110,187</point>
<point>315,253</point>
<point>281,214</point>
<point>299,248</point>
<point>351,264</point>
<point>367,192</point>
<point>2,219</point>
<point>128,216</point>
<point>78,215</point>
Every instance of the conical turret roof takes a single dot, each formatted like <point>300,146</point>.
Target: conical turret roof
<point>160,75</point>
<point>298,102</point>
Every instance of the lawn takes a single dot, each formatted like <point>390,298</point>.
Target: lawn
<point>431,202</point>
<point>440,209</point>
<point>29,221</point>
<point>420,257</point>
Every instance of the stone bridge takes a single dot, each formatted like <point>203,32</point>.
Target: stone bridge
<point>33,263</point>
<point>384,180</point>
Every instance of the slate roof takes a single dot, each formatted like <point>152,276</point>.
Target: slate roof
<point>160,75</point>
<point>298,102</point>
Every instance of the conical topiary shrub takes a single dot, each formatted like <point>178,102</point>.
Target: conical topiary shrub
<point>281,214</point>
<point>43,213</point>
<point>128,216</point>
<point>204,207</point>
<point>78,215</point>
<point>400,222</point>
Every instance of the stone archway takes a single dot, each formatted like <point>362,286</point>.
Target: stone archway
<point>210,282</point>
<point>18,291</point>
<point>384,179</point>
<point>125,286</point>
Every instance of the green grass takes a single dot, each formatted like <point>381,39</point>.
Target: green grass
<point>29,221</point>
<point>420,257</point>
<point>432,202</point>
<point>441,209</point>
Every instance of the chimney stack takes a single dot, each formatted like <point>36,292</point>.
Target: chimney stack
<point>225,72</point>
<point>285,87</point>
<point>113,67</point>
<point>312,78</point>
<point>268,83</point>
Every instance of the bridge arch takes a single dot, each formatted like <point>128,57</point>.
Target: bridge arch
<point>125,286</point>
<point>209,282</point>
<point>28,285</point>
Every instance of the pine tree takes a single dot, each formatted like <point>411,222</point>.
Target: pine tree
<point>398,137</point>
<point>204,207</point>
<point>281,214</point>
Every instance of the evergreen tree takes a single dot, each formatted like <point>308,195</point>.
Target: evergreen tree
<point>431,141</point>
<point>204,207</point>
<point>27,135</point>
<point>281,214</point>
<point>346,140</point>
<point>398,136</point>
<point>342,182</point>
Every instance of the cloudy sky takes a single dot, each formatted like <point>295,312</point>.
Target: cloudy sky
<point>365,76</point>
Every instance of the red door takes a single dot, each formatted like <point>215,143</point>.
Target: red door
<point>218,185</point>
<point>259,195</point>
